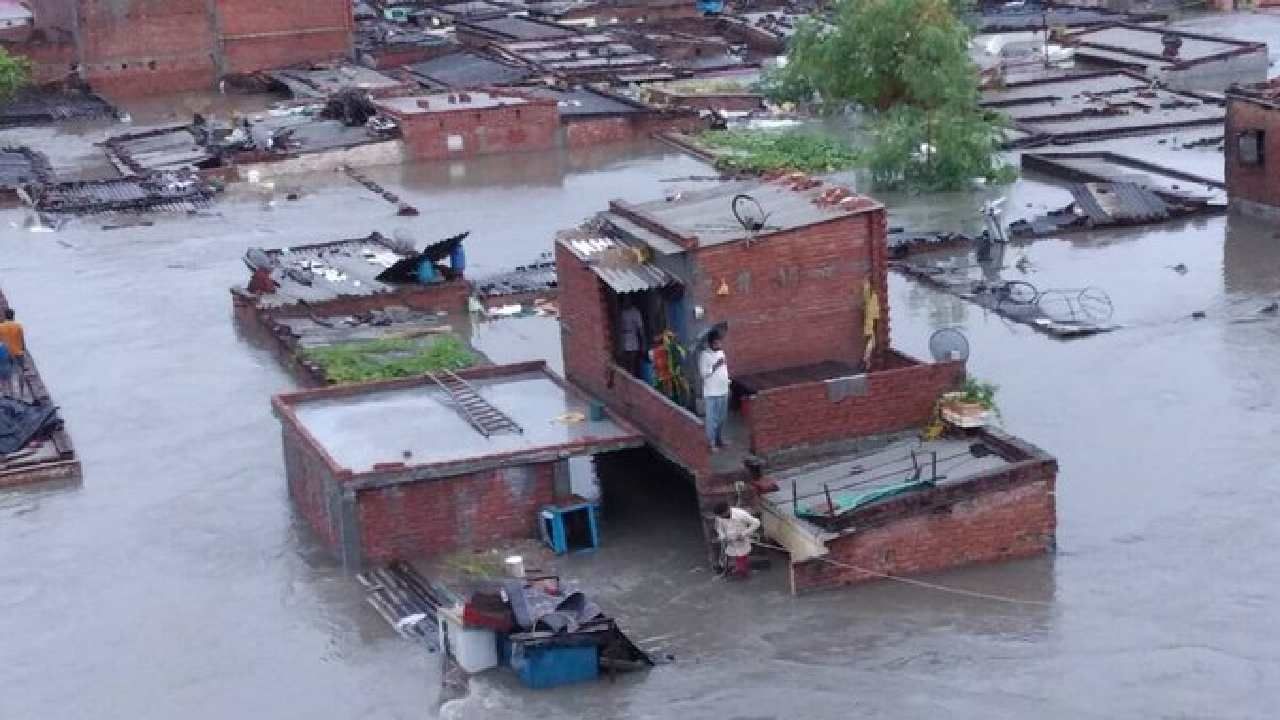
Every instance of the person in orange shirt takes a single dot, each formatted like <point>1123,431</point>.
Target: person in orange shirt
<point>13,340</point>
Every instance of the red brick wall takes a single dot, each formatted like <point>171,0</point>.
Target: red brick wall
<point>466,511</point>
<point>512,128</point>
<point>1005,515</point>
<point>307,475</point>
<point>134,47</point>
<point>263,34</point>
<point>798,415</point>
<point>131,47</point>
<point>585,340</point>
<point>1256,183</point>
<point>795,298</point>
<point>590,132</point>
<point>598,131</point>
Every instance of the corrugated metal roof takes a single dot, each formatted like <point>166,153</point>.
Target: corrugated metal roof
<point>1122,202</point>
<point>619,265</point>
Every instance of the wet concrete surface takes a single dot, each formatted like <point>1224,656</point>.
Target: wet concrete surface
<point>178,581</point>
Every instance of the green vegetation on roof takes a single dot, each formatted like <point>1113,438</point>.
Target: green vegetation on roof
<point>760,151</point>
<point>391,358</point>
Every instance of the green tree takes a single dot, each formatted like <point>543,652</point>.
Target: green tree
<point>906,61</point>
<point>15,73</point>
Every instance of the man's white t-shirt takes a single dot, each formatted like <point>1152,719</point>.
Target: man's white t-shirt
<point>715,383</point>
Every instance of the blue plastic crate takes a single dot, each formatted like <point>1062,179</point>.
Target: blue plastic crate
<point>543,667</point>
<point>569,528</point>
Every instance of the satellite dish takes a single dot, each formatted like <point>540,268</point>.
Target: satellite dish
<point>749,213</point>
<point>948,344</point>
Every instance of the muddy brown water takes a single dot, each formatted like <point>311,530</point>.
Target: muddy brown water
<point>178,582</point>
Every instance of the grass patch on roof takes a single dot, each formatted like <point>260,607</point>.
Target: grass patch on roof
<point>390,358</point>
<point>760,151</point>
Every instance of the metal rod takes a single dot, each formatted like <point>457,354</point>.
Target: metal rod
<point>831,506</point>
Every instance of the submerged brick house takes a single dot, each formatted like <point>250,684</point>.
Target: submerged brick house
<point>790,270</point>
<point>1252,148</point>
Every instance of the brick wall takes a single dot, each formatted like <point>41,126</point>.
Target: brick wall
<point>795,298</point>
<point>465,511</point>
<point>1253,183</point>
<point>510,128</point>
<point>894,400</point>
<point>598,131</point>
<point>263,34</point>
<point>589,132</point>
<point>1000,516</point>
<point>309,478</point>
<point>134,47</point>
<point>585,340</point>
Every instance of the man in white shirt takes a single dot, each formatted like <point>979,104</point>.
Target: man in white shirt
<point>734,528</point>
<point>715,389</point>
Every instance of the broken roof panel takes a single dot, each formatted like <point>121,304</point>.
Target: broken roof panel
<point>171,148</point>
<point>42,106</point>
<point>22,166</point>
<point>323,82</point>
<point>1098,105</point>
<point>619,265</point>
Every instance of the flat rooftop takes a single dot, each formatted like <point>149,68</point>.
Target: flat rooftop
<point>708,219</point>
<point>848,477</point>
<point>586,102</point>
<point>361,429</point>
<point>467,70</point>
<point>517,28</point>
<point>1144,44</point>
<point>448,102</point>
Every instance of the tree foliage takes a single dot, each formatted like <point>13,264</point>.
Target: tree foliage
<point>906,61</point>
<point>15,73</point>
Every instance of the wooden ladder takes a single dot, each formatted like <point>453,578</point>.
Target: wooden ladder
<point>483,416</point>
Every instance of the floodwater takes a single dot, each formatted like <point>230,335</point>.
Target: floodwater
<point>177,581</point>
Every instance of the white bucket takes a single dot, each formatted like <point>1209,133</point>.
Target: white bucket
<point>514,566</point>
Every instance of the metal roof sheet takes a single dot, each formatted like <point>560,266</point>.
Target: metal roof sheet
<point>619,265</point>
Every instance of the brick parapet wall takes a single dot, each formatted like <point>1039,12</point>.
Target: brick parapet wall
<point>461,512</point>
<point>797,415</point>
<point>1006,514</point>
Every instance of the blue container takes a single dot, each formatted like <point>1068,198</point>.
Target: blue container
<point>543,667</point>
<point>569,528</point>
